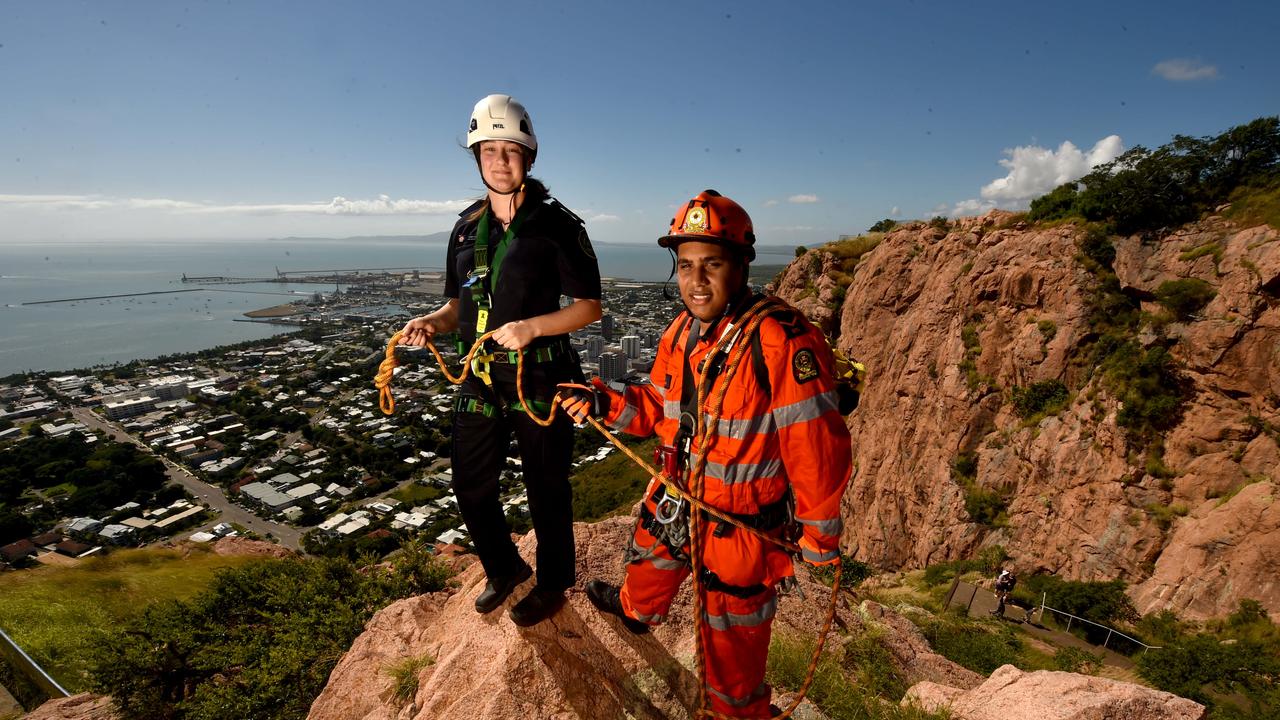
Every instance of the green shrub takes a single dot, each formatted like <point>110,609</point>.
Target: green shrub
<point>1057,204</point>
<point>986,506</point>
<point>835,692</point>
<point>939,222</point>
<point>1042,398</point>
<point>801,250</point>
<point>1048,329</point>
<point>884,225</point>
<point>1184,298</point>
<point>1146,381</point>
<point>979,647</point>
<point>852,573</point>
<point>1098,601</point>
<point>1077,660</point>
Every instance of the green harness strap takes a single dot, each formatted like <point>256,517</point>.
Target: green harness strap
<point>483,279</point>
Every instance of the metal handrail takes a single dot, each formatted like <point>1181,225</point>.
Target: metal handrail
<point>1110,630</point>
<point>31,668</point>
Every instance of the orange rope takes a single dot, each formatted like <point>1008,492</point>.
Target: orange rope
<point>386,371</point>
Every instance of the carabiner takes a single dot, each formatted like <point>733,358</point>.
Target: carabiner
<point>480,366</point>
<point>668,509</point>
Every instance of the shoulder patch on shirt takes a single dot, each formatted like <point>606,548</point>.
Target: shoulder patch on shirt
<point>804,366</point>
<point>584,242</point>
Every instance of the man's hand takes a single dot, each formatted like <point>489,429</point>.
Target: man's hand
<point>581,401</point>
<point>516,335</point>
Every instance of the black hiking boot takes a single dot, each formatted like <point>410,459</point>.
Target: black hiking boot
<point>497,590</point>
<point>606,598</point>
<point>537,606</point>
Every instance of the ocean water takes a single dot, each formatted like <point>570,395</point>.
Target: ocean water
<point>65,335</point>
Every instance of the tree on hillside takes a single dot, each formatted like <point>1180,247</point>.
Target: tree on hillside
<point>1149,189</point>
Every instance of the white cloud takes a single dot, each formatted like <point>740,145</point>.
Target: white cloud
<point>603,217</point>
<point>1034,171</point>
<point>972,206</point>
<point>770,203</point>
<point>382,205</point>
<point>802,199</point>
<point>896,212</point>
<point>1184,69</point>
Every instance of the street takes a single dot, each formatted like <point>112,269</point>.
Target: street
<point>211,495</point>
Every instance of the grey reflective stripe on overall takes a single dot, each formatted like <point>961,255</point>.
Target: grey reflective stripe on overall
<point>756,694</point>
<point>728,620</point>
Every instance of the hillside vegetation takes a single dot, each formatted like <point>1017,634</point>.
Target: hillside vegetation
<point>57,613</point>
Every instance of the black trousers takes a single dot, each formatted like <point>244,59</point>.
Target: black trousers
<point>480,448</point>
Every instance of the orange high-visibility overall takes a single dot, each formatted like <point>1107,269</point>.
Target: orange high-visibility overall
<point>788,435</point>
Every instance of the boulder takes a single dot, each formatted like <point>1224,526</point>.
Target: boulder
<point>1011,694</point>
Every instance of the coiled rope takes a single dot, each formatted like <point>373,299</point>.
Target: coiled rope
<point>718,387</point>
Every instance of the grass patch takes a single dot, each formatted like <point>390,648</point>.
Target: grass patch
<point>404,676</point>
<point>834,690</point>
<point>1256,205</point>
<point>981,647</point>
<point>1077,660</point>
<point>414,494</point>
<point>55,613</point>
<point>1212,247</point>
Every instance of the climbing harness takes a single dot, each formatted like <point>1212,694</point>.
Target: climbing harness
<point>676,502</point>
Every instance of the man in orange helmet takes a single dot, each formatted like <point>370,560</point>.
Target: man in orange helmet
<point>780,451</point>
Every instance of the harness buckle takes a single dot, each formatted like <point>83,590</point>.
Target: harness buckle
<point>480,366</point>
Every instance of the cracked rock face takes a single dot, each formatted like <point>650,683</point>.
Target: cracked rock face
<point>947,322</point>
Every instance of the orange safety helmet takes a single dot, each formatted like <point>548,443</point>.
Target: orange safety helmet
<point>714,218</point>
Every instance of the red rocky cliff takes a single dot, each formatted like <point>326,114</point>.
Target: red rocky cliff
<point>1080,500</point>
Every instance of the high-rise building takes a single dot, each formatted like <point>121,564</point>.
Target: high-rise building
<point>595,346</point>
<point>631,346</point>
<point>606,327</point>
<point>613,365</point>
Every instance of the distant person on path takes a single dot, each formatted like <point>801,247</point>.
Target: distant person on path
<point>1004,585</point>
<point>781,454</point>
<point>511,257</point>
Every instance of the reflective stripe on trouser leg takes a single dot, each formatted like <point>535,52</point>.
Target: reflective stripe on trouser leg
<point>735,635</point>
<point>652,580</point>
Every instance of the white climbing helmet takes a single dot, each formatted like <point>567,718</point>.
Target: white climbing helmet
<point>501,117</point>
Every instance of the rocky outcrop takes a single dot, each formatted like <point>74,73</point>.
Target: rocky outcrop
<point>84,706</point>
<point>579,664</point>
<point>948,321</point>
<point>1011,694</point>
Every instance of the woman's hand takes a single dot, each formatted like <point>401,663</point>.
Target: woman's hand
<point>418,331</point>
<point>516,335</point>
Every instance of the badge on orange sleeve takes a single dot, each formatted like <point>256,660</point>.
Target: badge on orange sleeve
<point>804,366</point>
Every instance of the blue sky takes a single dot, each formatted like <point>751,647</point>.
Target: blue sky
<point>234,119</point>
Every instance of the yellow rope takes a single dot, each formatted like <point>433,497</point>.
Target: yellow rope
<point>753,317</point>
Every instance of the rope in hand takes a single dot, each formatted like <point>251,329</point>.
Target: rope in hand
<point>753,317</point>
<point>386,371</point>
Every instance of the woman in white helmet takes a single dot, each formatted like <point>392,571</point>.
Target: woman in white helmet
<point>511,257</point>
